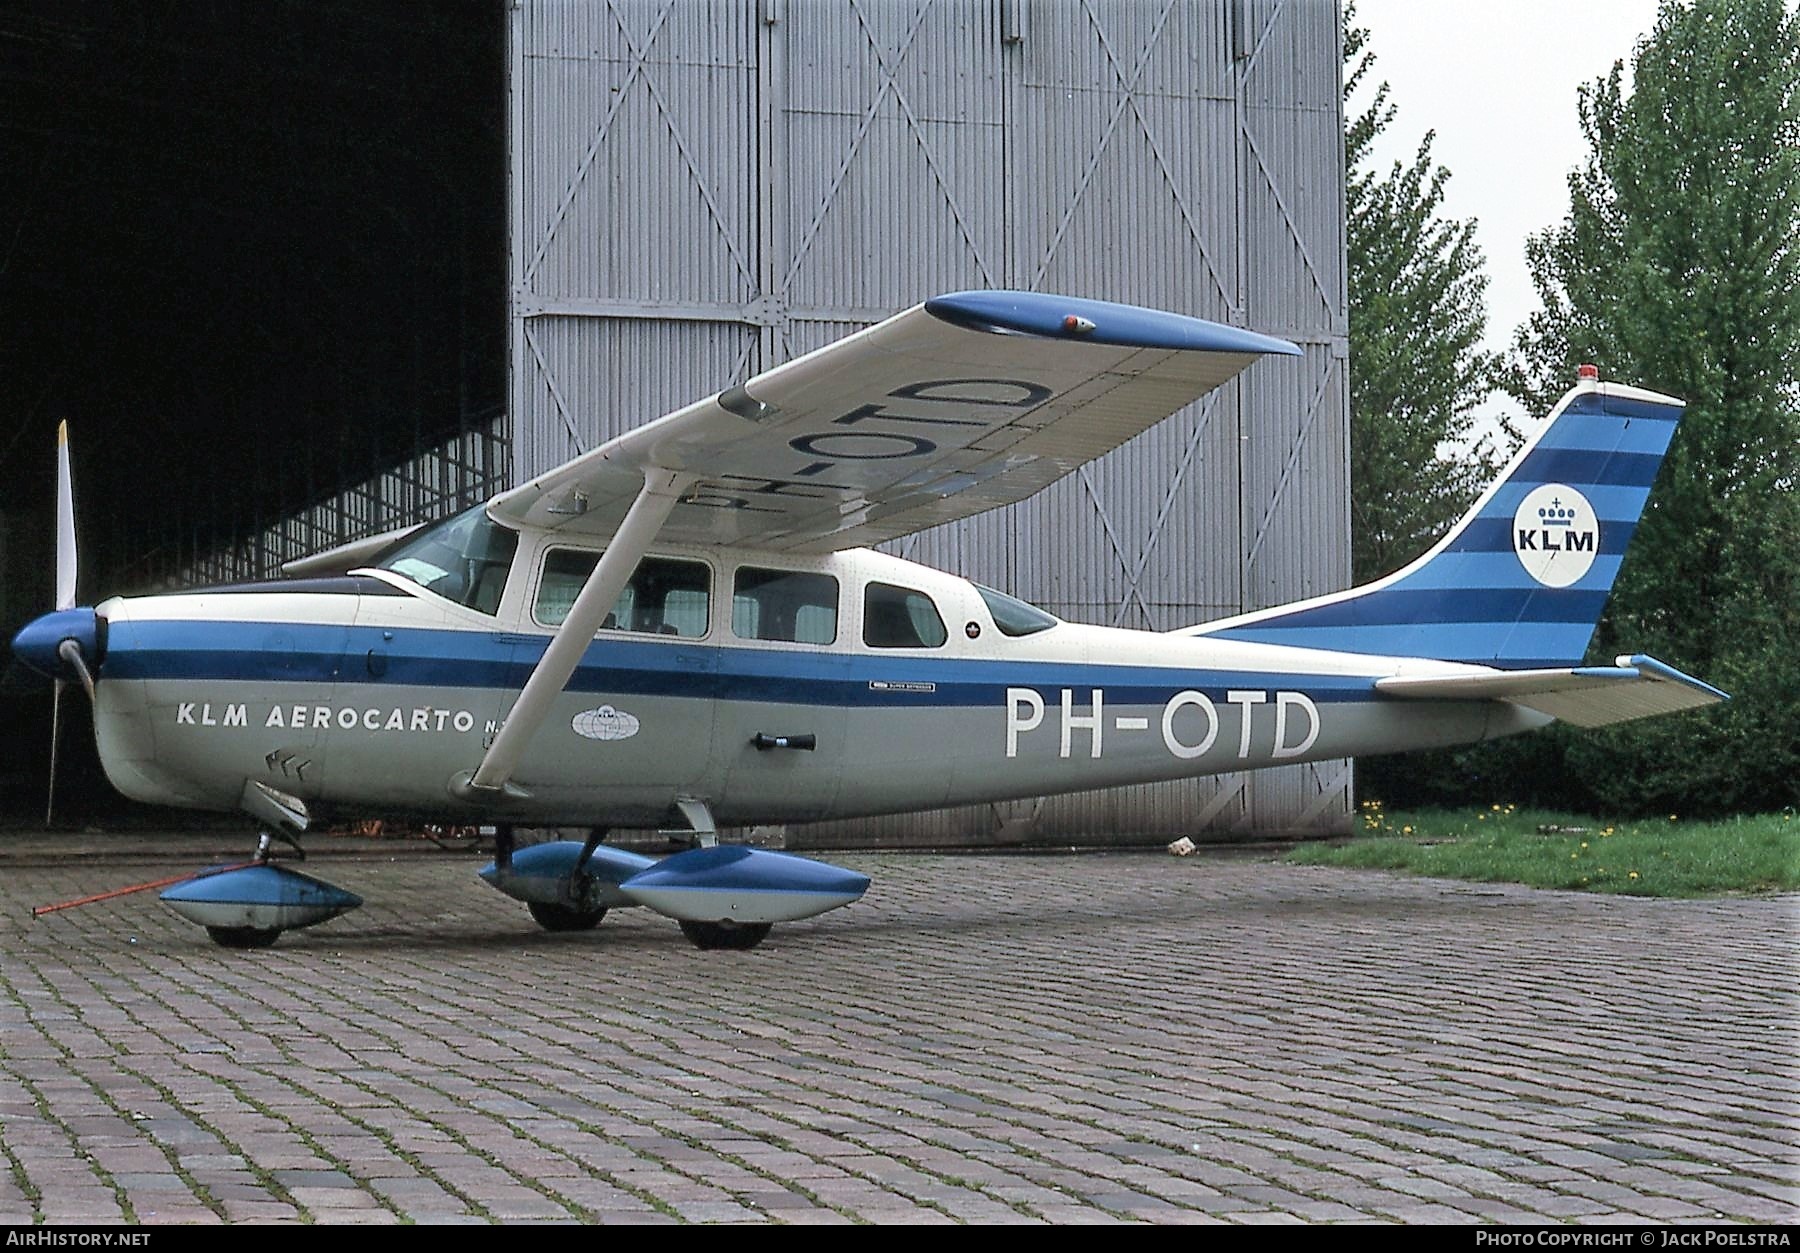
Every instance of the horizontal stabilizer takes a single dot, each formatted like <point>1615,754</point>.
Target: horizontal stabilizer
<point>1588,696</point>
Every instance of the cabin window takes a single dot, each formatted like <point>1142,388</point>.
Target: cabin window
<point>894,617</point>
<point>784,605</point>
<point>465,559</point>
<point>664,596</point>
<point>1013,616</point>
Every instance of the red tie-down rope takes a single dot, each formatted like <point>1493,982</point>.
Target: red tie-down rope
<point>38,911</point>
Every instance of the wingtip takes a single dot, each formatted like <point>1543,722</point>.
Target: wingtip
<point>1052,316</point>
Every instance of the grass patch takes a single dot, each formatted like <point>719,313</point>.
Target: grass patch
<point>1504,844</point>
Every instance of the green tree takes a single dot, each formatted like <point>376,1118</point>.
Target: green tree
<point>1678,268</point>
<point>1416,323</point>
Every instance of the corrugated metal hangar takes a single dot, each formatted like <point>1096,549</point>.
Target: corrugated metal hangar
<point>683,193</point>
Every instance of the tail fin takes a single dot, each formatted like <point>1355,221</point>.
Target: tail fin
<point>1520,582</point>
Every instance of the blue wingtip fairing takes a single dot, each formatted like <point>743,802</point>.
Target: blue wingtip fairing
<point>1097,322</point>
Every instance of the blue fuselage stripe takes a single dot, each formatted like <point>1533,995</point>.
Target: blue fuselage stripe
<point>481,660</point>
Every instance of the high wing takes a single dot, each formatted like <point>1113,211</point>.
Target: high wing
<point>956,406</point>
<point>1586,696</point>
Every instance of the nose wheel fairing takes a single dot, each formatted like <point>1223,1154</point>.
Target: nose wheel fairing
<point>257,901</point>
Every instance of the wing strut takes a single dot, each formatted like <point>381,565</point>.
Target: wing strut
<point>491,779</point>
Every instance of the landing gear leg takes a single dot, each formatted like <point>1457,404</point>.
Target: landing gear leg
<point>699,817</point>
<point>265,845</point>
<point>595,838</point>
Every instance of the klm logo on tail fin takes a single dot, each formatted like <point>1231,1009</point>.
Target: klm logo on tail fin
<point>1556,534</point>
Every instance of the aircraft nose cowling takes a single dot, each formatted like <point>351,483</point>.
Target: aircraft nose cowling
<point>39,640</point>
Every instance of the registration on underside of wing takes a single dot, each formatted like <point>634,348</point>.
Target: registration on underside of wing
<point>956,406</point>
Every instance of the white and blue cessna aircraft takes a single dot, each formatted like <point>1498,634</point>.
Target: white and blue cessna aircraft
<point>688,624</point>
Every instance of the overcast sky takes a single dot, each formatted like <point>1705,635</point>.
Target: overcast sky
<point>1497,83</point>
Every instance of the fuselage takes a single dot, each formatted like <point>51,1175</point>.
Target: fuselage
<point>771,687</point>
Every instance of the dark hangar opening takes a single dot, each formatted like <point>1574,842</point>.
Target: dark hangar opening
<point>252,253</point>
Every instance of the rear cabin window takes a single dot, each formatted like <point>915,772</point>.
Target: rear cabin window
<point>784,606</point>
<point>896,617</point>
<point>664,596</point>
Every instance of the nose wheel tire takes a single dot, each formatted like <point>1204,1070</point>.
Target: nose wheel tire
<point>564,917</point>
<point>244,937</point>
<point>727,935</point>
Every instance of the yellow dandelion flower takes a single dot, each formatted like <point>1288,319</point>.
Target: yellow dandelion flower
<point>1584,844</point>
<point>1634,874</point>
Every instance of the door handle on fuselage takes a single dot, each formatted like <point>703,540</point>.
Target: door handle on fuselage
<point>764,742</point>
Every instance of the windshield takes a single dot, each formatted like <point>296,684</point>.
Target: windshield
<point>1013,616</point>
<point>465,559</point>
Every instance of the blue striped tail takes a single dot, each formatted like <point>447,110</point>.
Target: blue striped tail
<point>1520,582</point>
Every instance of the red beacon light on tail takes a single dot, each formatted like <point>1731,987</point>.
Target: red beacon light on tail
<point>1587,373</point>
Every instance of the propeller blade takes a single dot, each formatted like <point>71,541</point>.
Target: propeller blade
<point>65,523</point>
<point>70,652</point>
<point>55,735</point>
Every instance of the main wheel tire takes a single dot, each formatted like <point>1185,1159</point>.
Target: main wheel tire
<point>244,937</point>
<point>729,935</point>
<point>564,917</point>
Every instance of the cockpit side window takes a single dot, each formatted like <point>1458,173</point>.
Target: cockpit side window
<point>465,559</point>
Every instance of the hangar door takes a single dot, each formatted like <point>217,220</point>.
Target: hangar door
<point>702,190</point>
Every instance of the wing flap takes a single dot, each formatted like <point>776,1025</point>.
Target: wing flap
<point>1588,696</point>
<point>954,407</point>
